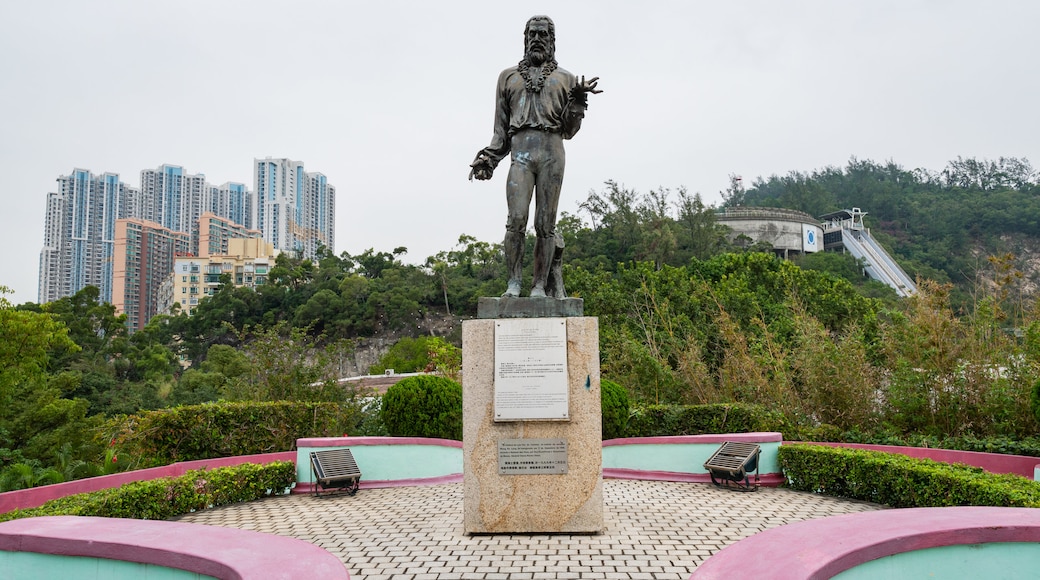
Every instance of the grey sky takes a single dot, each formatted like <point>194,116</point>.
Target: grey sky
<point>391,100</point>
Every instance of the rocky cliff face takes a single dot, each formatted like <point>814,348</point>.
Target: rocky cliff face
<point>368,351</point>
<point>1025,252</point>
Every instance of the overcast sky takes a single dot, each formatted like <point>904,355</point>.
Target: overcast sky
<point>391,100</point>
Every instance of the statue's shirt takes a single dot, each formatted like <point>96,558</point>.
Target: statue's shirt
<point>551,109</point>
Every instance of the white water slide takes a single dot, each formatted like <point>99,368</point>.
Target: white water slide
<point>878,264</point>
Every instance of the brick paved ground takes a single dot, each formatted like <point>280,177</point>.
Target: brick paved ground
<point>654,530</point>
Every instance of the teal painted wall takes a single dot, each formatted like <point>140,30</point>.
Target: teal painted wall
<point>679,457</point>
<point>33,566</point>
<point>996,561</point>
<point>396,462</point>
<point>390,462</point>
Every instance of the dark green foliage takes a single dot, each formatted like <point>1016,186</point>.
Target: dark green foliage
<point>164,498</point>
<point>668,332</point>
<point>423,406</point>
<point>614,401</point>
<point>900,481</point>
<point>227,429</point>
<point>685,317</point>
<point>408,355</point>
<point>284,363</point>
<point>1034,400</point>
<point>663,420</point>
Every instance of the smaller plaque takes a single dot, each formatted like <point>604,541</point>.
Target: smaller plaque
<point>532,456</point>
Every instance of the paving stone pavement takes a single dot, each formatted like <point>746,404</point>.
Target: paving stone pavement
<point>655,529</point>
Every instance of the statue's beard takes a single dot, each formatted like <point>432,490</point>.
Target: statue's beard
<point>538,55</point>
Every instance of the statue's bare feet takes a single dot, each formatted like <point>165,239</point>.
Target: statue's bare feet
<point>538,292</point>
<point>512,290</point>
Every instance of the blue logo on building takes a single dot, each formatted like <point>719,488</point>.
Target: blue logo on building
<point>811,238</point>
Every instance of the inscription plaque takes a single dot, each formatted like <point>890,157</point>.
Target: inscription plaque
<point>532,456</point>
<point>531,369</point>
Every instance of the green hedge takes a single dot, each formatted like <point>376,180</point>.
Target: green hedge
<point>663,420</point>
<point>423,406</point>
<point>215,430</point>
<point>900,481</point>
<point>164,498</point>
<point>615,409</point>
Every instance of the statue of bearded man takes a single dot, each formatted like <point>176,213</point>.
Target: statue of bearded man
<point>537,106</point>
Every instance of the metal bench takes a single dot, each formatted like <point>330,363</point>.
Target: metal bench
<point>731,464</point>
<point>335,469</point>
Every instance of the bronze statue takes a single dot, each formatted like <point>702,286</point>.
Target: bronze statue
<point>537,106</point>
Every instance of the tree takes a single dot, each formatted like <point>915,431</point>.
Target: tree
<point>26,341</point>
<point>34,418</point>
<point>287,364</point>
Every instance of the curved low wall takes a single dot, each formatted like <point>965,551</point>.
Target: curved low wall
<point>682,457</point>
<point>386,461</point>
<point>400,461</point>
<point>104,548</point>
<point>37,496</point>
<point>951,542</point>
<point>992,462</point>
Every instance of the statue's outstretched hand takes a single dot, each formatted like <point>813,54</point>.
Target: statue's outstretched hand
<point>481,168</point>
<point>588,86</point>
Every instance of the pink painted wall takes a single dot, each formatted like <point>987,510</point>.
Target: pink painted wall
<point>37,496</point>
<point>824,547</point>
<point>210,550</point>
<point>757,437</point>
<point>28,498</point>
<point>357,441</point>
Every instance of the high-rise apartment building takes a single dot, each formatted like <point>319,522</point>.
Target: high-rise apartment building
<point>79,232</point>
<point>295,209</point>
<point>143,257</point>
<point>246,262</point>
<point>79,227</point>
<point>146,254</point>
<point>234,201</point>
<point>99,231</point>
<point>212,235</point>
<point>173,198</point>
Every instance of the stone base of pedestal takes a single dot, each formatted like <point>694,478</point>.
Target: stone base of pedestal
<point>495,503</point>
<point>515,307</point>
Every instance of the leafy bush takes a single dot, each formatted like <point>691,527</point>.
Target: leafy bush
<point>614,400</point>
<point>408,355</point>
<point>423,406</point>
<point>1034,400</point>
<point>166,497</point>
<point>662,420</point>
<point>900,481</point>
<point>226,429</point>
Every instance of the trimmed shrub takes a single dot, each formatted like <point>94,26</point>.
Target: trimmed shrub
<point>423,406</point>
<point>614,402</point>
<point>900,481</point>
<point>664,420</point>
<point>154,438</point>
<point>164,498</point>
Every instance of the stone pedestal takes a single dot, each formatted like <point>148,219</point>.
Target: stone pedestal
<point>569,502</point>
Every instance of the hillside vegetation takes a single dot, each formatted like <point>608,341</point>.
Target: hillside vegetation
<point>685,317</point>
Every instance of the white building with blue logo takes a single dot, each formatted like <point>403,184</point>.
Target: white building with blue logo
<point>789,232</point>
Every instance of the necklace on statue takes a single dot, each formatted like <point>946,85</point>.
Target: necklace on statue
<point>535,84</point>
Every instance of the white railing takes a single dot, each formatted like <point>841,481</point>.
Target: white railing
<point>880,266</point>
